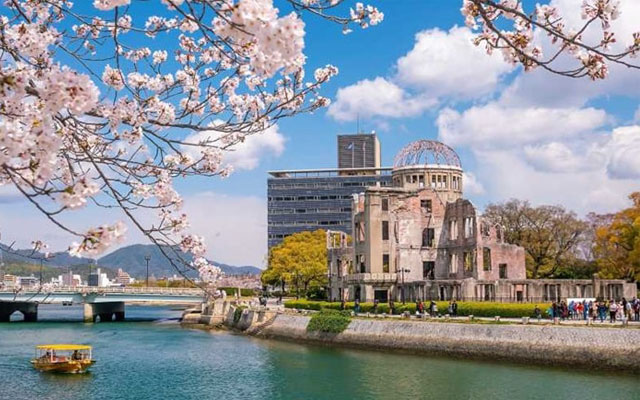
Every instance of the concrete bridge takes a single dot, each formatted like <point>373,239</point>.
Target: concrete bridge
<point>106,303</point>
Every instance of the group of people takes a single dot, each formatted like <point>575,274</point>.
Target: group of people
<point>583,310</point>
<point>421,307</point>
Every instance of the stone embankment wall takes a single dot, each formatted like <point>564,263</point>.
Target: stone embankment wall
<point>612,348</point>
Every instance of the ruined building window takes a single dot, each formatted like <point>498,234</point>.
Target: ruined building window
<point>385,230</point>
<point>455,182</point>
<point>468,261</point>
<point>426,206</point>
<point>428,237</point>
<point>453,229</point>
<point>444,181</point>
<point>363,267</point>
<point>428,269</point>
<point>385,204</point>
<point>468,227</point>
<point>503,271</point>
<point>433,181</point>
<point>486,259</point>
<point>385,263</point>
<point>407,178</point>
<point>421,181</point>
<point>360,231</point>
<point>453,263</point>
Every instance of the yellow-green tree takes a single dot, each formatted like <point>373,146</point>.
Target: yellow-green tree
<point>617,244</point>
<point>300,260</point>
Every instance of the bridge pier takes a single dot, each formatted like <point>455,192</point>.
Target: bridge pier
<point>27,308</point>
<point>106,311</point>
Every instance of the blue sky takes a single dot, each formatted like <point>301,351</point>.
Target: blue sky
<point>532,136</point>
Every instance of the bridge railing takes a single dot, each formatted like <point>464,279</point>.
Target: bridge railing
<point>123,290</point>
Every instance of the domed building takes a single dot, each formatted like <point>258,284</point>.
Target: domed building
<point>421,239</point>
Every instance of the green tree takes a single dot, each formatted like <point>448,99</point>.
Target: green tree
<point>300,260</point>
<point>617,243</point>
<point>550,235</point>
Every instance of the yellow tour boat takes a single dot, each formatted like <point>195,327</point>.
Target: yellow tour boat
<point>66,358</point>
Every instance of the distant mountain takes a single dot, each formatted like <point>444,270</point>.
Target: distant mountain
<point>27,256</point>
<point>132,259</point>
<point>129,258</point>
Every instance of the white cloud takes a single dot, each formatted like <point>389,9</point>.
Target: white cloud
<point>234,227</point>
<point>554,157</point>
<point>495,126</point>
<point>378,97</point>
<point>449,64</point>
<point>507,174</point>
<point>245,155</point>
<point>624,153</point>
<point>471,185</point>
<point>441,64</point>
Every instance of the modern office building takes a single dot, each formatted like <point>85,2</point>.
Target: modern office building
<point>307,200</point>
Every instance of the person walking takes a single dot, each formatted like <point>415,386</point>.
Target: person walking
<point>579,310</point>
<point>613,310</point>
<point>375,305</point>
<point>636,309</point>
<point>392,307</point>
<point>455,308</point>
<point>356,306</point>
<point>450,308</point>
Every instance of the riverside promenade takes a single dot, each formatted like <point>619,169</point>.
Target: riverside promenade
<point>568,343</point>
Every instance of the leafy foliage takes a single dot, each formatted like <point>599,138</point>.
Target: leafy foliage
<point>329,321</point>
<point>300,260</point>
<point>551,235</point>
<point>617,245</point>
<point>478,309</point>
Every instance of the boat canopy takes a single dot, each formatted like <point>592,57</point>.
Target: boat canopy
<point>63,347</point>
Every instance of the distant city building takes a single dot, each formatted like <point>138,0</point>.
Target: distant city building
<point>99,279</point>
<point>27,281</point>
<point>69,279</point>
<point>420,239</point>
<point>307,200</point>
<point>123,278</point>
<point>10,281</point>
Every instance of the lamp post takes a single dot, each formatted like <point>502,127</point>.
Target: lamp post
<point>402,270</point>
<point>41,260</point>
<point>147,258</point>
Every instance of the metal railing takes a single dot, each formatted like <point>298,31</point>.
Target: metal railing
<point>107,290</point>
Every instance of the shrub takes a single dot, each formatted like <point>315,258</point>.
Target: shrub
<point>231,291</point>
<point>237,314</point>
<point>478,309</point>
<point>329,321</point>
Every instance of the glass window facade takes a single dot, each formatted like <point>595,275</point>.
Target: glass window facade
<point>306,203</point>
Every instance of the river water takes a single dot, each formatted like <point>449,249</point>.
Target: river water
<point>150,357</point>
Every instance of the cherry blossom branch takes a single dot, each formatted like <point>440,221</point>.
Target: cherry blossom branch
<point>520,46</point>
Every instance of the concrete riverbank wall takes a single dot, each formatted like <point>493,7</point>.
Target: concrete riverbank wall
<point>608,348</point>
